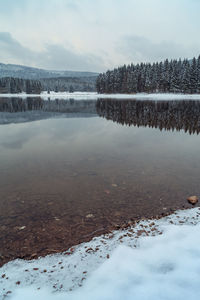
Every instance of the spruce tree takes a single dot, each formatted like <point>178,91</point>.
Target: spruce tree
<point>176,76</point>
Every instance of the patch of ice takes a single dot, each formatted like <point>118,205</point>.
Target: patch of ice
<point>135,263</point>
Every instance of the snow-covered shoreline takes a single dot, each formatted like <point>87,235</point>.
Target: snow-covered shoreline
<point>96,96</point>
<point>152,259</point>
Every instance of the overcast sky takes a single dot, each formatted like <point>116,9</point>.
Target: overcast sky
<point>94,35</point>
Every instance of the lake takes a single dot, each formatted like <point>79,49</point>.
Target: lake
<point>73,169</point>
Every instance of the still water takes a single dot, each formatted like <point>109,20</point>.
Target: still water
<point>70,170</point>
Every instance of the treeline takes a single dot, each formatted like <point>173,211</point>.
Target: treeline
<point>16,85</point>
<point>61,84</point>
<point>168,115</point>
<point>69,84</point>
<point>175,76</point>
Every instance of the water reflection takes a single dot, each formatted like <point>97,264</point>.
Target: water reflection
<point>18,110</point>
<point>168,115</point>
<point>16,104</point>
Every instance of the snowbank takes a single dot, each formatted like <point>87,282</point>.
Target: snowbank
<point>95,96</point>
<point>136,263</point>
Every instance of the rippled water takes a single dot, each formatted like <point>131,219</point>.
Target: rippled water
<point>71,169</point>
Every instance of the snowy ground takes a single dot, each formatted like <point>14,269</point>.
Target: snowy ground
<point>152,259</point>
<point>95,96</point>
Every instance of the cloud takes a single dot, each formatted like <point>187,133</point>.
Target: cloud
<point>54,56</point>
<point>57,56</point>
<point>151,30</point>
<point>12,49</point>
<point>141,49</point>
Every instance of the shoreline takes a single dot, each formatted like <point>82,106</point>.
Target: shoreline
<point>27,253</point>
<point>96,96</point>
<point>67,271</point>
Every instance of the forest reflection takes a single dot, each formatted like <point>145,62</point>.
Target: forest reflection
<point>168,115</point>
<point>16,104</point>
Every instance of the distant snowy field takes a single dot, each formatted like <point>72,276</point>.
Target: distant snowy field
<point>152,259</point>
<point>95,96</point>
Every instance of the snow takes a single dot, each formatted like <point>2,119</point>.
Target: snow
<point>95,96</point>
<point>151,259</point>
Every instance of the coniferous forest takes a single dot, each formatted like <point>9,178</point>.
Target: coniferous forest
<point>175,76</point>
<point>17,85</point>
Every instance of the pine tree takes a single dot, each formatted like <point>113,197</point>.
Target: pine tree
<point>198,74</point>
<point>174,76</point>
<point>193,77</point>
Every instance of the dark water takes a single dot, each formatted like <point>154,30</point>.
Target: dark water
<point>82,168</point>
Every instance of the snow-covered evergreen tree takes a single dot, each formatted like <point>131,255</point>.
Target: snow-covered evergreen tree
<point>175,76</point>
<point>17,85</point>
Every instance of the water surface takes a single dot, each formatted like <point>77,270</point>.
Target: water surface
<point>70,169</point>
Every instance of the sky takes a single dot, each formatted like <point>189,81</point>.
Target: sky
<point>96,35</point>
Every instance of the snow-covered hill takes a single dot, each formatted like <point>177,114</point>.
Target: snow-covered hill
<point>11,70</point>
